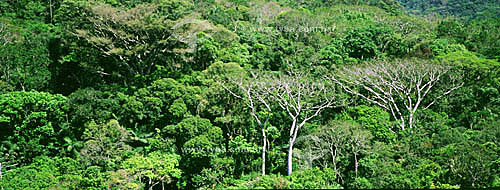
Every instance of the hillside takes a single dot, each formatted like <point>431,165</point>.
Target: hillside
<point>468,9</point>
<point>248,94</point>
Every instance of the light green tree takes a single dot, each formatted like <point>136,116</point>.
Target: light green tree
<point>154,169</point>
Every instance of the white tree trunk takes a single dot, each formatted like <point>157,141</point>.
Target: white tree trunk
<point>290,157</point>
<point>264,145</point>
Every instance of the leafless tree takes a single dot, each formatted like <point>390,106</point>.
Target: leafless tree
<point>301,97</point>
<point>296,93</point>
<point>127,35</point>
<point>402,87</point>
<point>254,97</point>
<point>265,12</point>
<point>335,137</point>
<point>312,149</point>
<point>343,139</point>
<point>7,35</point>
<point>359,143</point>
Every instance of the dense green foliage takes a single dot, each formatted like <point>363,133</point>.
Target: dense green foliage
<point>249,94</point>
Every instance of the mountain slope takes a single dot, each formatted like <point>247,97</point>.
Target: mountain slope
<point>461,8</point>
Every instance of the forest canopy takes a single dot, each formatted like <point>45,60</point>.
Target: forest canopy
<point>246,94</point>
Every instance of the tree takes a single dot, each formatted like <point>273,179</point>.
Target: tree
<point>42,174</point>
<point>451,29</point>
<point>133,43</point>
<point>54,173</point>
<point>6,88</point>
<point>335,54</point>
<point>7,32</point>
<point>233,116</point>
<point>198,143</point>
<point>164,102</point>
<point>469,163</point>
<point>105,145</point>
<point>301,97</point>
<point>483,35</point>
<point>254,97</point>
<point>374,119</point>
<point>134,37</point>
<point>477,100</point>
<point>301,26</point>
<point>88,105</point>
<point>30,10</point>
<point>32,124</point>
<point>401,88</point>
<point>343,140</point>
<point>367,42</point>
<point>156,167</point>
<point>24,55</point>
<point>313,178</point>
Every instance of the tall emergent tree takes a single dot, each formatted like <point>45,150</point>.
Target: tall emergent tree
<point>302,97</point>
<point>255,98</point>
<point>296,93</point>
<point>402,87</point>
<point>134,38</point>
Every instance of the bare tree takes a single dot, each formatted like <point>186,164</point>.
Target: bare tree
<point>254,97</point>
<point>8,33</point>
<point>301,97</point>
<point>402,87</point>
<point>334,137</point>
<point>129,36</point>
<point>265,12</point>
<point>359,143</point>
<point>295,93</point>
<point>343,139</point>
<point>312,149</point>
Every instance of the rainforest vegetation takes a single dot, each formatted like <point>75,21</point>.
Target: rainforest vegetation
<point>239,94</point>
